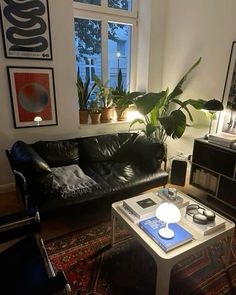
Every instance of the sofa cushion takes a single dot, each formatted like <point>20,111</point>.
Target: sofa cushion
<point>103,147</point>
<point>58,153</point>
<point>27,160</point>
<point>142,151</point>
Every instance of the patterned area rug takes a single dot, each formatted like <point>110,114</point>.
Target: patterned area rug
<point>93,268</point>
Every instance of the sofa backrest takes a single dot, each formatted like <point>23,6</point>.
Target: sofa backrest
<point>58,153</point>
<point>103,147</point>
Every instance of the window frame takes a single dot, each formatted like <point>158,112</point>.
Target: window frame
<point>105,14</point>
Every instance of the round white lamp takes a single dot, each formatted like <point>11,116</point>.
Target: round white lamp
<point>167,213</point>
<point>38,120</point>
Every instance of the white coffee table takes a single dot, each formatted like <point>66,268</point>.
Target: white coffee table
<point>166,261</point>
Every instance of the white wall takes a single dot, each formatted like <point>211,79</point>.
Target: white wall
<point>173,34</point>
<point>202,28</point>
<point>62,32</point>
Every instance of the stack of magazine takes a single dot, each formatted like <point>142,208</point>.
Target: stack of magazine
<point>223,139</point>
<point>203,229</point>
<point>140,207</point>
<point>151,227</point>
<point>180,200</point>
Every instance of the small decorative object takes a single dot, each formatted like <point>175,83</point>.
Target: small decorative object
<point>212,106</point>
<point>33,95</point>
<point>199,214</point>
<point>26,29</point>
<point>38,120</point>
<point>227,120</point>
<point>168,213</point>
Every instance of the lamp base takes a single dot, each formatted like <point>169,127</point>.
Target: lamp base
<point>166,233</point>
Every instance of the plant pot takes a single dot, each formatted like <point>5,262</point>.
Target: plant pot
<point>107,115</point>
<point>95,118</point>
<point>121,114</point>
<point>83,116</point>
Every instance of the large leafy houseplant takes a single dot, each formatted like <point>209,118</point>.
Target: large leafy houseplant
<point>164,113</point>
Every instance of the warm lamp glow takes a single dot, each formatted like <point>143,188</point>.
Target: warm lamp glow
<point>167,213</point>
<point>38,120</point>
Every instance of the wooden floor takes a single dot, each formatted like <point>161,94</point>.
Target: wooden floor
<point>80,216</point>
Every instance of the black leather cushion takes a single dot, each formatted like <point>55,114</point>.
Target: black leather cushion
<point>144,152</point>
<point>58,153</point>
<point>27,160</point>
<point>104,147</point>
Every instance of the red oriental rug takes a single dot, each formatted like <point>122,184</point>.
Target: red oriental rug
<point>93,268</point>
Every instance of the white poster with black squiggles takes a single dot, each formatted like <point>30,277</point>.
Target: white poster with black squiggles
<point>26,30</point>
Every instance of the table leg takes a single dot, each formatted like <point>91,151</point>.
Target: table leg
<point>228,247</point>
<point>113,228</point>
<point>163,278</point>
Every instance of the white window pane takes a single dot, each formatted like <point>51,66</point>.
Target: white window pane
<point>120,4</point>
<point>119,42</point>
<point>88,48</point>
<point>94,2</point>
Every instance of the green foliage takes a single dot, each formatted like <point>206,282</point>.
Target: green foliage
<point>164,114</point>
<point>104,94</point>
<point>95,106</point>
<point>83,91</point>
<point>121,97</point>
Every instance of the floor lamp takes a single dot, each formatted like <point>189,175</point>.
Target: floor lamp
<point>212,106</point>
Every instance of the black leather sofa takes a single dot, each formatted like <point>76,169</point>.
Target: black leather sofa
<point>55,174</point>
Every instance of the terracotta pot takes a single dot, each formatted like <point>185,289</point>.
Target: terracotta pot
<point>83,116</point>
<point>95,118</point>
<point>107,115</point>
<point>121,114</point>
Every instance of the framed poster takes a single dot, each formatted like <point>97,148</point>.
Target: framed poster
<point>26,29</point>
<point>227,121</point>
<point>32,95</point>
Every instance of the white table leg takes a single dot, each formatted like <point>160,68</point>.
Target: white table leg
<point>163,278</point>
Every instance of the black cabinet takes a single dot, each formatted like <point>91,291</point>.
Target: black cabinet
<point>213,170</point>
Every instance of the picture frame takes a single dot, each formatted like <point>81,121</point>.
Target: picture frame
<point>227,118</point>
<point>26,29</point>
<point>32,95</point>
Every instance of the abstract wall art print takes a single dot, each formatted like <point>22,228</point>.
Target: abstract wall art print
<point>227,120</point>
<point>32,95</point>
<point>26,29</point>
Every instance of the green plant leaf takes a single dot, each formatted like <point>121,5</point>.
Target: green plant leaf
<point>135,121</point>
<point>178,88</point>
<point>197,104</point>
<point>147,102</point>
<point>174,124</point>
<point>150,129</point>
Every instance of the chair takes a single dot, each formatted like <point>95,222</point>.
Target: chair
<point>24,266</point>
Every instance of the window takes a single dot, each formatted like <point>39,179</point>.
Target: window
<point>105,36</point>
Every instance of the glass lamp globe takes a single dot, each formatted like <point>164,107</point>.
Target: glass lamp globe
<point>168,213</point>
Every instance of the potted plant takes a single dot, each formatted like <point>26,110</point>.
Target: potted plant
<point>95,111</point>
<point>83,96</point>
<point>122,98</point>
<point>105,96</point>
<point>161,117</point>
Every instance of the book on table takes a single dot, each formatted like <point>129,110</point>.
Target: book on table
<point>142,206</point>
<point>203,229</point>
<point>180,201</point>
<point>222,138</point>
<point>151,227</point>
